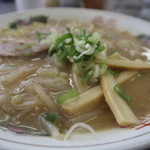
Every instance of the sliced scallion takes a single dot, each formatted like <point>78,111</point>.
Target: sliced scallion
<point>100,47</point>
<point>51,117</point>
<point>77,46</point>
<point>114,73</point>
<point>120,92</point>
<point>41,35</point>
<point>66,96</point>
<point>72,51</point>
<point>79,33</point>
<point>27,53</point>
<point>62,40</point>
<point>87,76</point>
<point>24,46</point>
<point>141,36</point>
<point>40,18</point>
<point>62,55</point>
<point>94,38</point>
<point>103,68</point>
<point>20,22</point>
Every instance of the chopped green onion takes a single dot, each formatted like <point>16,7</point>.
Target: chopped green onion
<point>51,117</point>
<point>141,36</point>
<point>17,23</point>
<point>69,30</point>
<point>120,92</point>
<point>62,55</point>
<point>77,58</point>
<point>13,25</point>
<point>27,53</point>
<point>62,40</point>
<point>101,48</point>
<point>66,39</point>
<point>77,46</point>
<point>72,51</point>
<point>79,33</point>
<point>41,35</point>
<point>40,18</point>
<point>87,76</point>
<point>103,68</point>
<point>66,96</point>
<point>20,22</point>
<point>114,73</point>
<point>94,38</point>
<point>24,46</point>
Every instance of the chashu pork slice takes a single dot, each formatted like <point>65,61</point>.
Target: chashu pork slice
<point>24,42</point>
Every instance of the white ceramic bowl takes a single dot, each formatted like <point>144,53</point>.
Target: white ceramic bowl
<point>113,139</point>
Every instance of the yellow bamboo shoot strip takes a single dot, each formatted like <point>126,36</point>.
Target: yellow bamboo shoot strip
<point>128,64</point>
<point>84,102</point>
<point>120,109</point>
<point>17,75</point>
<point>117,55</point>
<point>125,75</point>
<point>44,97</point>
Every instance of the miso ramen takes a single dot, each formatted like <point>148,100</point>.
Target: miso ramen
<point>61,75</point>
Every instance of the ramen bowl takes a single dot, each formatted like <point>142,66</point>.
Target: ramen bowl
<point>136,137</point>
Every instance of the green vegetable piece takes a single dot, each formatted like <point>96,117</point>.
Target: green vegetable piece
<point>72,51</point>
<point>80,34</point>
<point>66,39</point>
<point>103,68</point>
<point>40,18</point>
<point>114,73</point>
<point>62,39</point>
<point>51,117</point>
<point>13,25</point>
<point>100,47</point>
<point>141,36</point>
<point>41,35</point>
<point>77,60</point>
<point>120,92</point>
<point>87,76</point>
<point>77,46</point>
<point>69,30</point>
<point>20,22</point>
<point>27,53</point>
<point>66,96</point>
<point>62,54</point>
<point>24,46</point>
<point>94,38</point>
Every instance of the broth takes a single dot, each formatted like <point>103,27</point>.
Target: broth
<point>104,120</point>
